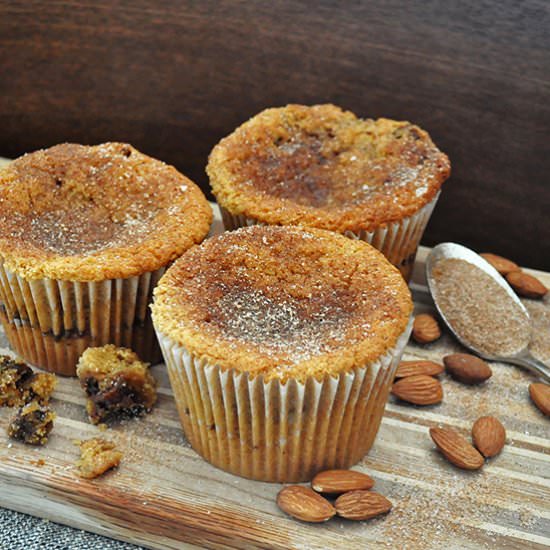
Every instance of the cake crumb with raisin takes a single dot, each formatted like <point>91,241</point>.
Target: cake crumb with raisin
<point>117,383</point>
<point>13,377</point>
<point>32,424</point>
<point>19,385</point>
<point>39,387</point>
<point>97,456</point>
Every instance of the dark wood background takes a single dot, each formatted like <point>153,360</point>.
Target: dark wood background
<point>174,77</point>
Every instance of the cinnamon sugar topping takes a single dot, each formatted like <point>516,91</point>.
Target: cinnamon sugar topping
<point>86,213</point>
<point>306,328</point>
<point>479,309</point>
<point>272,300</point>
<point>322,167</point>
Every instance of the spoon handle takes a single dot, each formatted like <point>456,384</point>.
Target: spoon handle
<point>533,365</point>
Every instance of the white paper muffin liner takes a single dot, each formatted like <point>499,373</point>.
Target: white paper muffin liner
<point>49,323</point>
<point>398,241</point>
<point>279,432</point>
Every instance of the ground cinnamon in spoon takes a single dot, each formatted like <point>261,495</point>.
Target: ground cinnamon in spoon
<point>479,309</point>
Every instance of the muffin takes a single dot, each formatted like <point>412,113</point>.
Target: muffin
<point>320,166</point>
<point>85,234</point>
<point>281,345</point>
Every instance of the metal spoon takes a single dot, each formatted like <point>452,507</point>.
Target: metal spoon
<point>523,358</point>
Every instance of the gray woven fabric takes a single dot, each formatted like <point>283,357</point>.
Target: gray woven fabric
<point>23,532</point>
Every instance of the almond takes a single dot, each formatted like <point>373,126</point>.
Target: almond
<point>467,368</point>
<point>305,504</point>
<point>456,449</point>
<point>526,285</point>
<point>419,389</point>
<point>335,482</point>
<point>488,435</point>
<point>502,265</point>
<point>425,329</point>
<point>540,394</point>
<point>360,505</point>
<point>411,368</point>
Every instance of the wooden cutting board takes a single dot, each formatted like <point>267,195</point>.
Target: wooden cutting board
<point>165,496</point>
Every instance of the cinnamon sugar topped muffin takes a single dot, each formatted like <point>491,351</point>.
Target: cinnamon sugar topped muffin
<point>86,213</point>
<point>281,345</point>
<point>283,302</point>
<point>323,167</point>
<point>86,232</point>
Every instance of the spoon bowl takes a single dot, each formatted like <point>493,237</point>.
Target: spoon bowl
<point>522,357</point>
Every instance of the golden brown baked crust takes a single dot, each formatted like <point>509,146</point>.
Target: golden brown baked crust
<point>323,167</point>
<point>87,213</point>
<point>283,302</point>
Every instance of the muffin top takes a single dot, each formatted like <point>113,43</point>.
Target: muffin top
<point>283,302</point>
<point>87,213</point>
<point>323,167</point>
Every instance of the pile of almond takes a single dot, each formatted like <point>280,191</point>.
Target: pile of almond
<point>524,284</point>
<point>417,381</point>
<point>530,287</point>
<point>488,435</point>
<point>350,488</point>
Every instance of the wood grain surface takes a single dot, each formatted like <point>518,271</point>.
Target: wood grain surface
<point>174,77</point>
<point>165,496</point>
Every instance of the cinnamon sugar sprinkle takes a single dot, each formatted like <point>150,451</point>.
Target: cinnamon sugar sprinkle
<point>79,200</point>
<point>250,315</point>
<point>479,309</point>
<point>81,231</point>
<point>539,311</point>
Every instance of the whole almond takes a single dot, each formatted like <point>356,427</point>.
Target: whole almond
<point>425,329</point>
<point>412,368</point>
<point>419,390</point>
<point>502,265</point>
<point>488,435</point>
<point>304,504</point>
<point>361,505</point>
<point>467,368</point>
<point>335,482</point>
<point>456,449</point>
<point>526,285</point>
<point>540,394</point>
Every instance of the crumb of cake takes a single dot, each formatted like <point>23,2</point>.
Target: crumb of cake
<point>40,462</point>
<point>117,383</point>
<point>32,424</point>
<point>39,387</point>
<point>97,456</point>
<point>13,377</point>
<point>19,385</point>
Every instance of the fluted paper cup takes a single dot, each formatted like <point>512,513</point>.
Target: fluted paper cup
<point>398,241</point>
<point>272,431</point>
<point>50,323</point>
